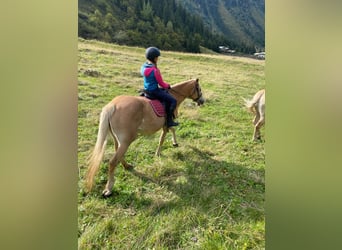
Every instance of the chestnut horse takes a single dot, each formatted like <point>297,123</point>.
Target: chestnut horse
<point>257,107</point>
<point>126,117</point>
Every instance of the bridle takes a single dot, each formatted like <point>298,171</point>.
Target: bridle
<point>196,89</point>
<point>199,93</point>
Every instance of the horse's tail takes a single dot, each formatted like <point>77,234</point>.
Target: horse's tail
<point>98,151</point>
<point>251,104</point>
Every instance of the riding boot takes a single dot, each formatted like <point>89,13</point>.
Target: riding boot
<point>170,122</point>
<point>169,119</point>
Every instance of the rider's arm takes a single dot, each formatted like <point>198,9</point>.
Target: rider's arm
<point>160,80</point>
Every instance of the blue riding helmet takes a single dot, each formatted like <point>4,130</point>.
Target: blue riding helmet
<point>151,53</point>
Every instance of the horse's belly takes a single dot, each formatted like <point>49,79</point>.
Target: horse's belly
<point>151,126</point>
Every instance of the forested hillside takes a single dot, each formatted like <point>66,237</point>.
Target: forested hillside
<point>241,20</point>
<point>162,23</point>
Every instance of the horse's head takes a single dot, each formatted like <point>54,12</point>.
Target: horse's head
<point>196,95</point>
<point>188,89</point>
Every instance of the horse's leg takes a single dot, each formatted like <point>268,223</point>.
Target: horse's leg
<point>126,165</point>
<point>161,140</point>
<point>257,127</point>
<point>256,117</point>
<point>256,134</point>
<point>118,156</point>
<point>123,162</point>
<point>174,141</point>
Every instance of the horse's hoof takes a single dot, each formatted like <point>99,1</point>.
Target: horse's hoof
<point>257,139</point>
<point>129,167</point>
<point>175,145</point>
<point>106,193</point>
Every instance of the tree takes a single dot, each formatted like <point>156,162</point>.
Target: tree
<point>169,27</point>
<point>147,11</point>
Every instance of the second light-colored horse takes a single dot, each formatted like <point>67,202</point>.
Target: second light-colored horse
<point>127,116</point>
<point>257,107</point>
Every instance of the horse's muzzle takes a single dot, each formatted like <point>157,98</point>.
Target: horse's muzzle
<point>200,101</point>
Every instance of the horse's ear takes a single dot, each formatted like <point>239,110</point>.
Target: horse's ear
<point>197,79</point>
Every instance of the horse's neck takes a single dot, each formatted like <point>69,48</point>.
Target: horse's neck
<point>182,91</point>
<point>179,99</point>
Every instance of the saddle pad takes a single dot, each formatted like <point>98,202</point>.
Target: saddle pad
<point>157,107</point>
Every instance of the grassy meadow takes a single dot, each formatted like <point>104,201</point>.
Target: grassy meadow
<point>208,193</point>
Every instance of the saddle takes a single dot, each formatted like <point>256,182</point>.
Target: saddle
<point>157,106</point>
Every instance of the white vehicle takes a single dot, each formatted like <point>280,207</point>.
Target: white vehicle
<point>260,55</point>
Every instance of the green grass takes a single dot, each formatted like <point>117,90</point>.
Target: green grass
<point>206,194</point>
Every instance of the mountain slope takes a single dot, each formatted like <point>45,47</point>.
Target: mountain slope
<point>172,25</point>
<point>161,23</point>
<point>242,21</point>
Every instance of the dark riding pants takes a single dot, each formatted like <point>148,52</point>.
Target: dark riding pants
<point>163,96</point>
